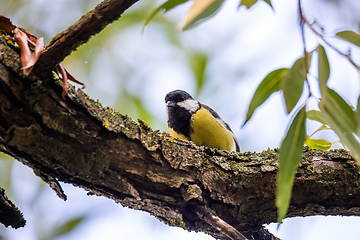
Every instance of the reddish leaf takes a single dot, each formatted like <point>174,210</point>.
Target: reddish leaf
<point>28,43</point>
<point>66,76</point>
<point>62,71</point>
<point>39,47</point>
<point>22,40</point>
<point>31,38</point>
<point>9,29</point>
<point>71,78</point>
<point>6,25</point>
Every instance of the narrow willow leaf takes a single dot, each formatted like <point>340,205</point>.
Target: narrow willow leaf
<point>200,10</point>
<point>248,3</point>
<point>289,157</point>
<point>168,5</point>
<point>269,2</point>
<point>67,226</point>
<point>324,70</point>
<point>323,127</point>
<point>345,112</point>
<point>358,116</point>
<point>316,116</point>
<point>342,120</point>
<point>350,36</point>
<point>293,84</point>
<point>141,109</point>
<point>198,62</point>
<point>320,144</point>
<point>269,85</point>
<point>308,58</point>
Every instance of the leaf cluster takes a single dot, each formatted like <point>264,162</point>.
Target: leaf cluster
<point>334,112</point>
<point>200,10</point>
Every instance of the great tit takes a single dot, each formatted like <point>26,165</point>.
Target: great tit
<point>190,120</point>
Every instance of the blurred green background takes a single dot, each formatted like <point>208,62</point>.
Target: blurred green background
<point>220,63</point>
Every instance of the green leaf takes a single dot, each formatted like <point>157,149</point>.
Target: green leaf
<point>67,226</point>
<point>248,3</point>
<point>318,144</point>
<point>358,116</point>
<point>308,57</point>
<point>200,10</point>
<point>168,5</point>
<point>269,2</point>
<point>323,127</point>
<point>342,120</point>
<point>350,36</point>
<point>198,62</point>
<point>289,157</point>
<point>324,70</point>
<point>344,111</point>
<point>316,116</point>
<point>269,85</point>
<point>293,84</point>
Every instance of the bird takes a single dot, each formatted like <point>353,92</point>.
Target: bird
<point>190,120</point>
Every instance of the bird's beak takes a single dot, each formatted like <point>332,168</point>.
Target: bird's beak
<point>170,104</point>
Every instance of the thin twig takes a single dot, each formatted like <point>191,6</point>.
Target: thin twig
<point>322,37</point>
<point>302,27</point>
<point>90,24</point>
<point>306,55</point>
<point>219,224</point>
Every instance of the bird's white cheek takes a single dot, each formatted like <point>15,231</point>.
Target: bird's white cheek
<point>189,104</point>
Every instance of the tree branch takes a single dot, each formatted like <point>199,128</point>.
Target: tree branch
<point>219,224</point>
<point>78,141</point>
<point>9,213</point>
<point>80,32</point>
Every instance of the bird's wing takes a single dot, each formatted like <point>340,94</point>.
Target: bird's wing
<point>223,123</point>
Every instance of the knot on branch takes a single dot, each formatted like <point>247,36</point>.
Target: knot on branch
<point>191,193</point>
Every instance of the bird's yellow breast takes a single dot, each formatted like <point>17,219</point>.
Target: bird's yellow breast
<point>177,135</point>
<point>207,131</point>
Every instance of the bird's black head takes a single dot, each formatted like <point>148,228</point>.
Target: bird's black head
<point>176,96</point>
<point>180,106</point>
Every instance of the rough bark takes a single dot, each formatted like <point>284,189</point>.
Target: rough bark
<point>79,141</point>
<point>9,214</point>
